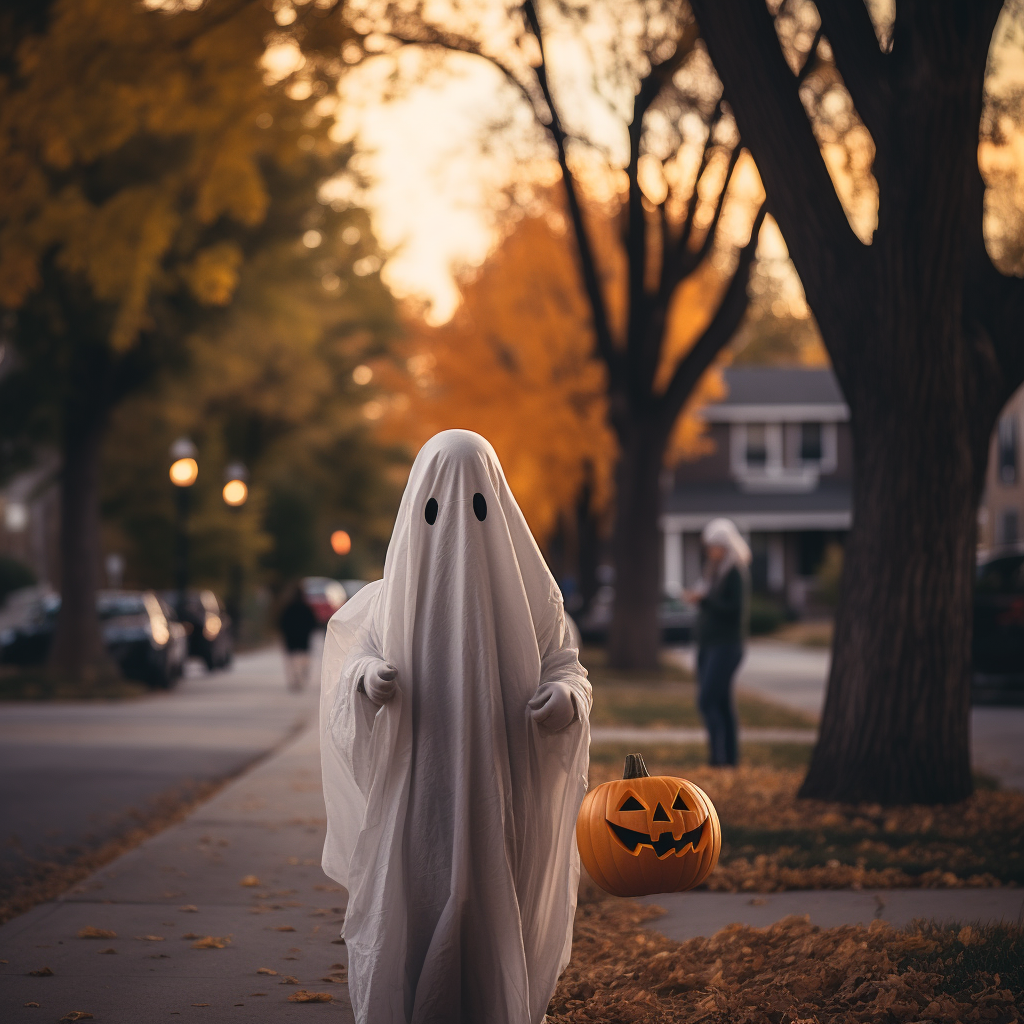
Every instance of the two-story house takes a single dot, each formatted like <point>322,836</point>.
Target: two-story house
<point>1001,512</point>
<point>781,469</point>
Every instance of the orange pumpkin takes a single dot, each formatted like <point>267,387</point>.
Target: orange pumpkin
<point>648,834</point>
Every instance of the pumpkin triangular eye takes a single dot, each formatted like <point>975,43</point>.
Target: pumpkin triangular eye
<point>660,815</point>
<point>678,804</point>
<point>632,804</point>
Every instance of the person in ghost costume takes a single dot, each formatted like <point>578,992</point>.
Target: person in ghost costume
<point>455,744</point>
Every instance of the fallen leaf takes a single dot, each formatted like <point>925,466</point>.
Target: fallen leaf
<point>191,935</point>
<point>212,942</point>
<point>265,970</point>
<point>149,938</point>
<point>77,1015</point>
<point>30,1004</point>
<point>200,1004</point>
<point>189,908</point>
<point>43,972</point>
<point>336,981</point>
<point>250,880</point>
<point>339,967</point>
<point>89,932</point>
<point>288,980</point>
<point>284,928</point>
<point>302,996</point>
<point>110,950</point>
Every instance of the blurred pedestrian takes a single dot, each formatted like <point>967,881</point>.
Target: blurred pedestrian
<point>296,622</point>
<point>724,599</point>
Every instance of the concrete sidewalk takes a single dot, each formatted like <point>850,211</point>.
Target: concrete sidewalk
<point>181,886</point>
<point>187,883</point>
<point>689,914</point>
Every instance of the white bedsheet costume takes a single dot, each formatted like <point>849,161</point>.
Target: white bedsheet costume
<point>450,809</point>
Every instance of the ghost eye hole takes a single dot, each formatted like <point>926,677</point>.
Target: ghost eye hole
<point>677,804</point>
<point>430,512</point>
<point>632,804</point>
<point>479,506</point>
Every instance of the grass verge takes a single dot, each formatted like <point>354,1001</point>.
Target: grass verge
<point>792,971</point>
<point>666,697</point>
<point>772,841</point>
<point>37,684</point>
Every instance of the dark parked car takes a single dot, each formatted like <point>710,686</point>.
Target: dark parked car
<point>676,618</point>
<point>208,626</point>
<point>140,631</point>
<point>998,648</point>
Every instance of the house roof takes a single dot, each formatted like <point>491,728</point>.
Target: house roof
<point>779,392</point>
<point>691,506</point>
<point>781,385</point>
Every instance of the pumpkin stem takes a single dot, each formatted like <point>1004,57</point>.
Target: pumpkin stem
<point>635,767</point>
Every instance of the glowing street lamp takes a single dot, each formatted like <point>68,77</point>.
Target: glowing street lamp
<point>235,491</point>
<point>183,473</point>
<point>341,542</point>
<point>184,468</point>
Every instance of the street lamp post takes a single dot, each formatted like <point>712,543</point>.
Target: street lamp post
<point>235,494</point>
<point>183,473</point>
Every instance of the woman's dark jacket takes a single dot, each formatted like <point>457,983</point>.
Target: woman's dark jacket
<point>724,610</point>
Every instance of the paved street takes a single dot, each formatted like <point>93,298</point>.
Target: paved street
<point>72,774</point>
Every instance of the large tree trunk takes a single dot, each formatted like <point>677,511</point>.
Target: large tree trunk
<point>895,726</point>
<point>78,656</point>
<point>634,639</point>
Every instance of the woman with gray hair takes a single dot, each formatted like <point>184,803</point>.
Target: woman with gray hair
<point>723,596</point>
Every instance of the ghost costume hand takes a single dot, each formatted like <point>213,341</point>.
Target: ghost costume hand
<point>552,706</point>
<point>378,682</point>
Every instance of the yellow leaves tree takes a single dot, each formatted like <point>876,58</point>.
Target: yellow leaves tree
<point>135,143</point>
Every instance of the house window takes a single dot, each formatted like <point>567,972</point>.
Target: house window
<point>757,445</point>
<point>810,442</point>
<point>1011,526</point>
<point>1007,444</point>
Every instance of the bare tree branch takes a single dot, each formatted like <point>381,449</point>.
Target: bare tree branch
<point>812,58</point>
<point>588,264</point>
<point>764,96</point>
<point>722,327</point>
<point>690,264</point>
<point>865,69</point>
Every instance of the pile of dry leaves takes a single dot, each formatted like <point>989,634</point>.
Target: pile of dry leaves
<point>791,972</point>
<point>773,841</point>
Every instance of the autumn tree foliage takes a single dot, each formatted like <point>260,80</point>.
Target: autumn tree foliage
<point>135,142</point>
<point>516,364</point>
<point>682,168</point>
<point>921,315</point>
<point>266,380</point>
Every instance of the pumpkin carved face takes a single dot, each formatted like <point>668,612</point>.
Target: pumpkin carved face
<point>648,834</point>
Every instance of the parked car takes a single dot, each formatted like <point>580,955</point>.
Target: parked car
<point>324,595</point>
<point>29,617</point>
<point>141,634</point>
<point>997,653</point>
<point>208,626</point>
<point>676,618</point>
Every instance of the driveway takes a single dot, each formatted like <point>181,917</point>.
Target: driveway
<point>73,775</point>
<point>796,676</point>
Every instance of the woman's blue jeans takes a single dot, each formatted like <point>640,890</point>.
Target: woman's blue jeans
<point>716,666</point>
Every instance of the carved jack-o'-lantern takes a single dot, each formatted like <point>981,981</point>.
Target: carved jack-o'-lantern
<point>648,834</point>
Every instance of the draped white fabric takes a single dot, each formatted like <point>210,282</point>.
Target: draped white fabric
<point>451,812</point>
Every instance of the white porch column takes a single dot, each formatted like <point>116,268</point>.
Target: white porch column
<point>673,575</point>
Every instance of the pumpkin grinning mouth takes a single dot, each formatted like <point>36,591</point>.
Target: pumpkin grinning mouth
<point>663,845</point>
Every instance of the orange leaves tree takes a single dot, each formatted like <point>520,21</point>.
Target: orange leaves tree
<point>135,141</point>
<point>676,153</point>
<point>516,364</point>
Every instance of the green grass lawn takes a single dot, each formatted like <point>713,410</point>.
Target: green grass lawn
<point>667,697</point>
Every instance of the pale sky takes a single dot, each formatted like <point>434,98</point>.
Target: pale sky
<point>440,155</point>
